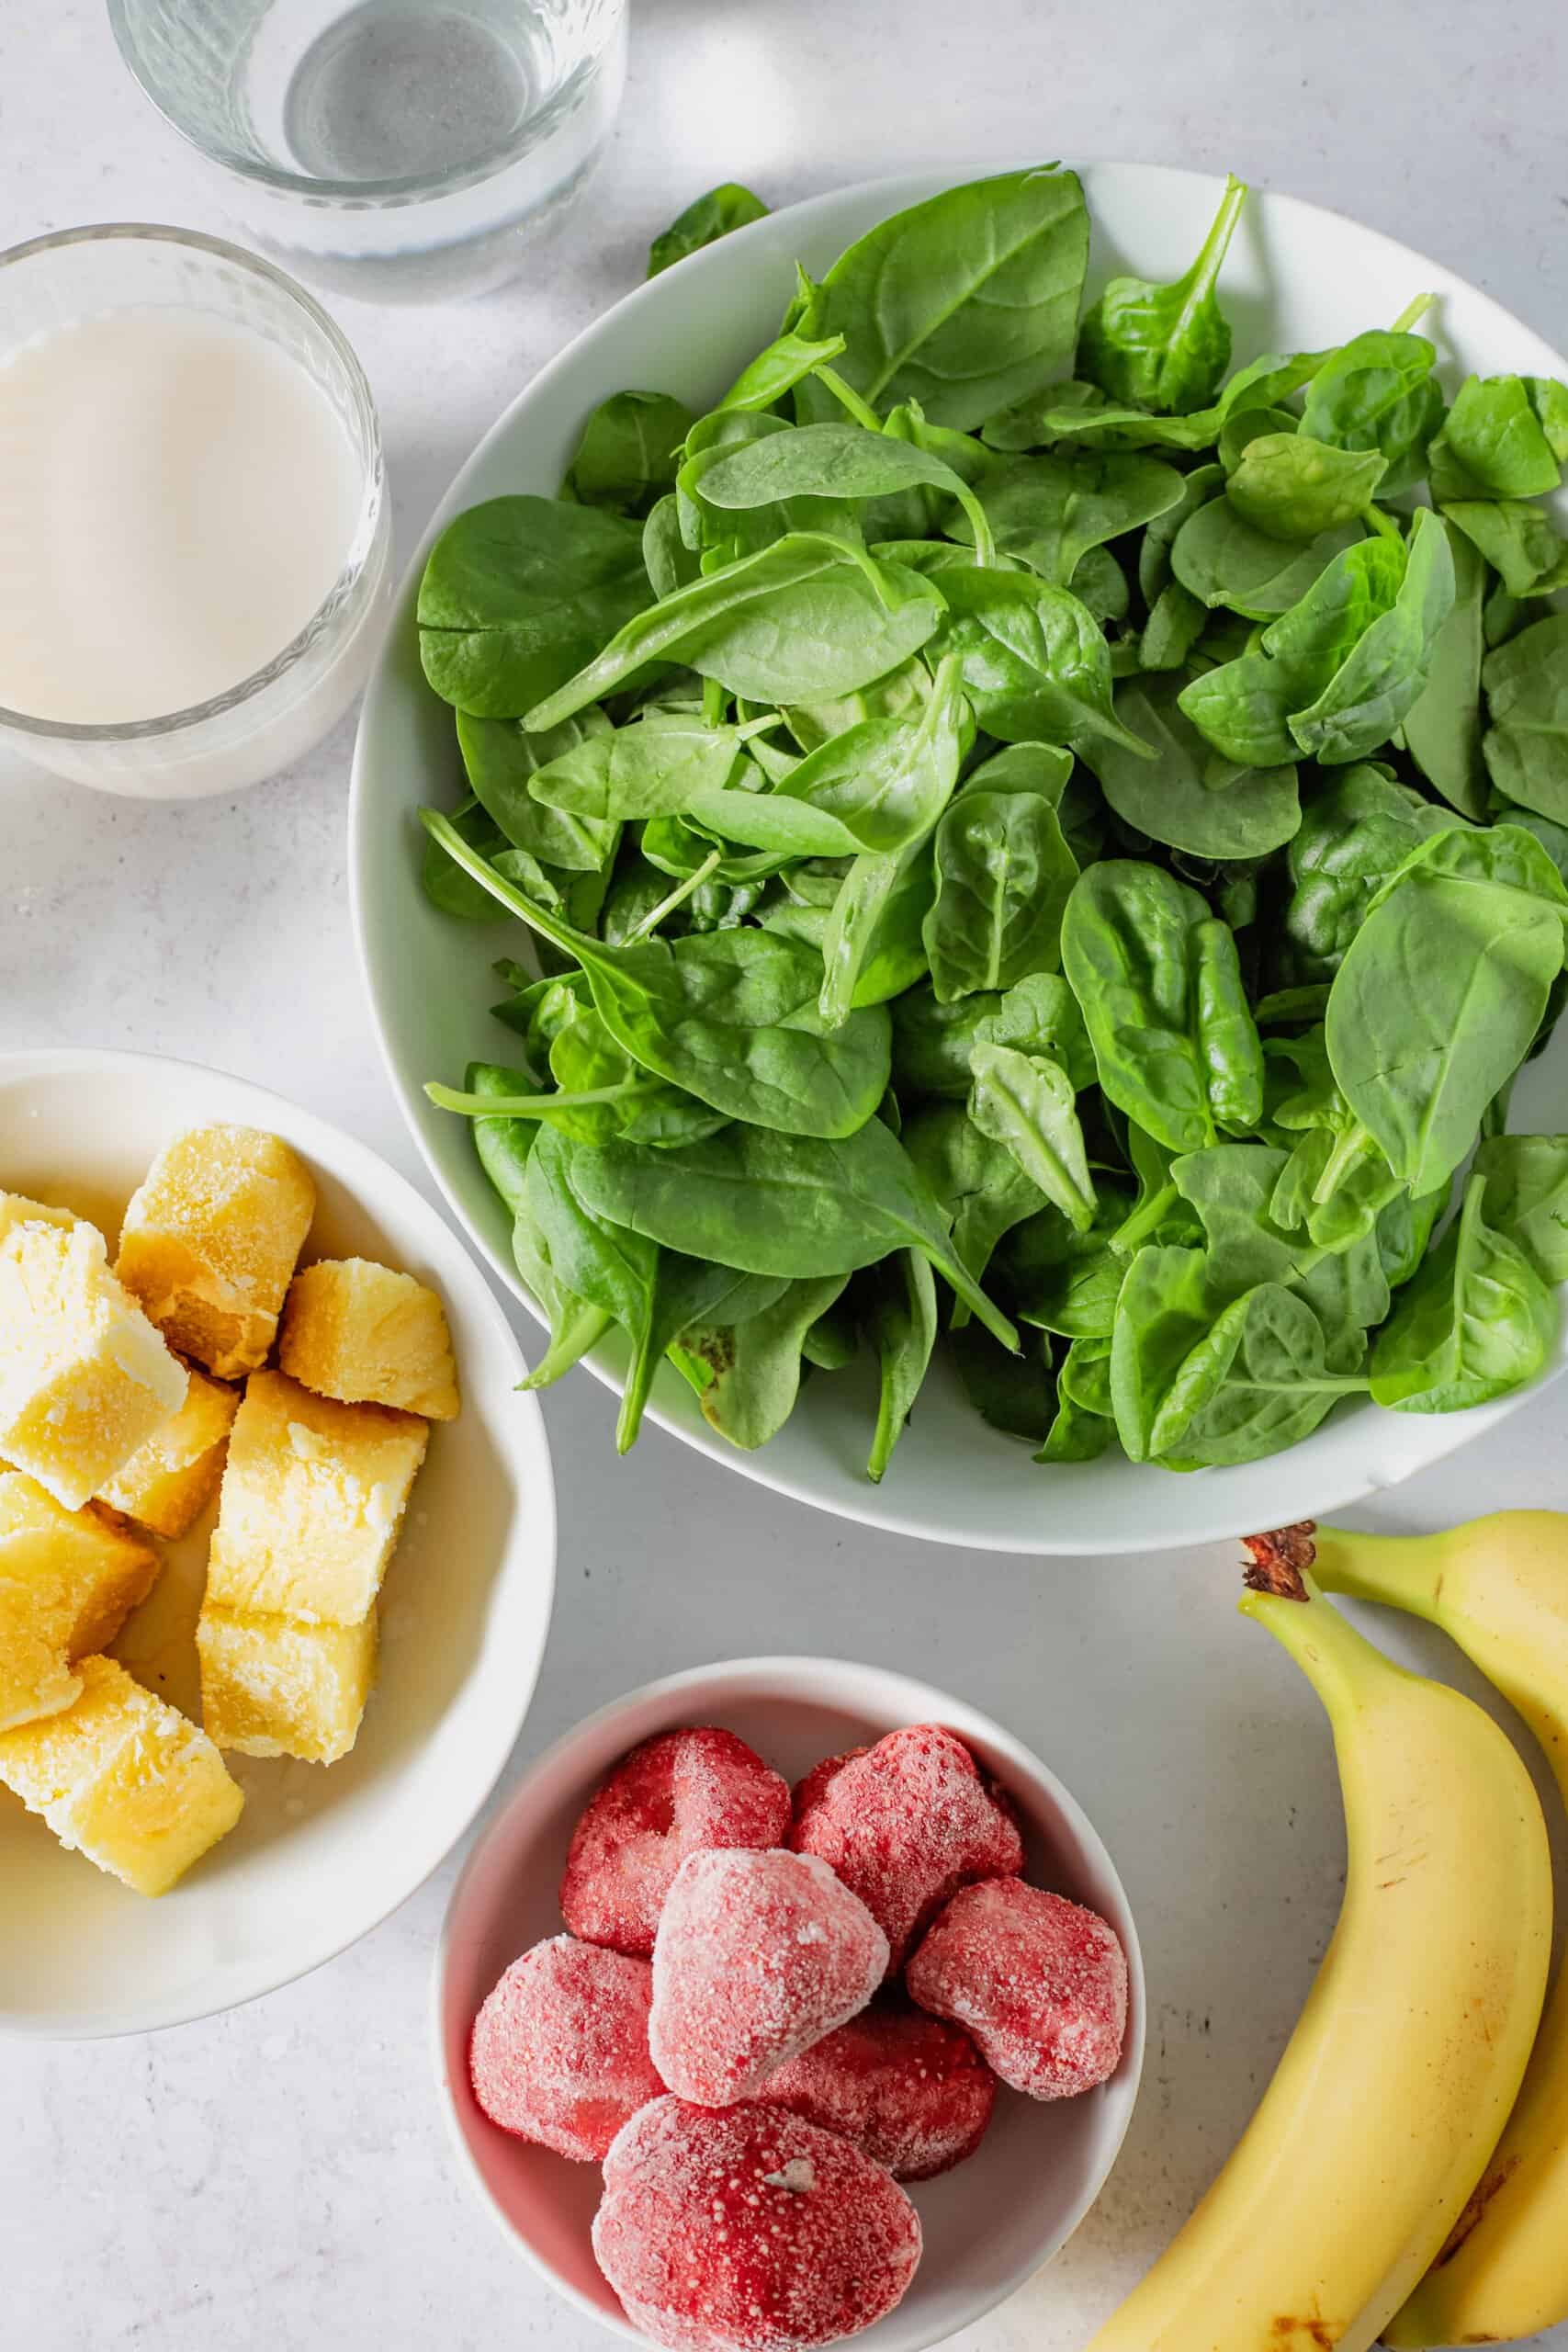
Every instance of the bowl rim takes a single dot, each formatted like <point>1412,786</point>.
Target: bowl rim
<point>856,1687</point>
<point>360,552</point>
<point>304,1125</point>
<point>1358,1471</point>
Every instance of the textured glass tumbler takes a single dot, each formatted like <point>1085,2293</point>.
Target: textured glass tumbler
<point>397,149</point>
<point>273,716</point>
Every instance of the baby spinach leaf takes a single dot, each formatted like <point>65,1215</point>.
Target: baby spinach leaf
<point>1013,1393</point>
<point>1337,672</point>
<point>627,457</point>
<point>755,1367</point>
<point>1526,1197</point>
<point>449,886</point>
<point>1144,970</point>
<point>1082,413</point>
<point>1227,1034</point>
<point>1249,424</point>
<point>1224,559</point>
<point>1065,1281</point>
<point>703,222</point>
<point>1024,1101</point>
<point>517,594</point>
<point>1377,393</point>
<point>1383,675</point>
<point>1035,667</point>
<point>1290,487</point>
<point>776,370</point>
<point>1519,541</point>
<point>1442,991</point>
<point>1155,572</point>
<point>1082,1429</point>
<point>980,1187</point>
<point>1052,511</point>
<point>501,763</point>
<point>669,562</point>
<point>1476,1322</point>
<point>964,302</point>
<point>1039,1014</point>
<point>792,1205</point>
<point>727,1016</point>
<point>1441,730</point>
<point>1003,873</point>
<point>1492,444</point>
<point>1526,699</point>
<point>1257,1381</point>
<point>1164,1309</point>
<point>1191,798</point>
<point>1355,835</point>
<point>1165,346</point>
<point>872,944</point>
<point>901,1324</point>
<point>807,615</point>
<point>651,768</point>
<point>887,780</point>
<point>842,461</point>
<point>1177,620</point>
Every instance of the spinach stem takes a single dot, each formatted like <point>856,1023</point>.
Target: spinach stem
<point>1412,313</point>
<point>574,944</point>
<point>847,397</point>
<point>713,700</point>
<point>682,891</point>
<point>533,1106</point>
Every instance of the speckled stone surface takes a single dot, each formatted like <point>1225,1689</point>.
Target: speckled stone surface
<point>278,2180</point>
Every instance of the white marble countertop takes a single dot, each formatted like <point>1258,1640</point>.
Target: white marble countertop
<point>279,2178</point>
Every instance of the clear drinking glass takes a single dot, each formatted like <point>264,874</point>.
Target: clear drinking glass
<point>402,150</point>
<point>266,721</point>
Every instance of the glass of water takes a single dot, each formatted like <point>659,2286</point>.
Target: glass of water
<point>405,150</point>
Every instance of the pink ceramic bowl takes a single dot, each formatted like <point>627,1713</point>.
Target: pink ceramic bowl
<point>990,2223</point>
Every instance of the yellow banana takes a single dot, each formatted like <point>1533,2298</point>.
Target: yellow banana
<point>1408,2053</point>
<point>1500,1587</point>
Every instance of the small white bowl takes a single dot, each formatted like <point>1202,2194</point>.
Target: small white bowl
<point>321,1854</point>
<point>990,2223</point>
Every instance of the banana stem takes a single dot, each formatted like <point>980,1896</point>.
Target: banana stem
<point>1401,1571</point>
<point>1336,1659</point>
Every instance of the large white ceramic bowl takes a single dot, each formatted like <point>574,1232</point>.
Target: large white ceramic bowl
<point>988,2225</point>
<point>320,1853</point>
<point>1297,278</point>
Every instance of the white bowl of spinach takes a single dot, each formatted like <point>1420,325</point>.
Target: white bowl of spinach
<point>992,880</point>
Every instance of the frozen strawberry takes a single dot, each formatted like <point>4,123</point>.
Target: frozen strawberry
<point>559,2051</point>
<point>1041,1983</point>
<point>750,2231</point>
<point>911,2090</point>
<point>808,1792</point>
<point>759,1956</point>
<point>669,1798</point>
<point>906,1824</point>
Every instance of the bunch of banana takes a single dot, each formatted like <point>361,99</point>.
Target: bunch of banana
<point>1499,1587</point>
<point>1409,2053</point>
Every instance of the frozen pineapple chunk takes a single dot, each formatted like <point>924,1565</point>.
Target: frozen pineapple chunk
<point>16,1209</point>
<point>272,1686</point>
<point>210,1241</point>
<point>84,1379</point>
<point>314,1495</point>
<point>68,1582</point>
<point>169,1483</point>
<point>358,1332</point>
<point>125,1777</point>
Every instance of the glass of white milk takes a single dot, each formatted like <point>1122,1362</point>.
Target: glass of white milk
<point>399,150</point>
<point>195,537</point>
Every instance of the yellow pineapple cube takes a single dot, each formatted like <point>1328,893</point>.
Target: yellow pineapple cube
<point>169,1483</point>
<point>16,1209</point>
<point>313,1496</point>
<point>125,1777</point>
<point>273,1687</point>
<point>84,1379</point>
<point>360,1332</point>
<point>209,1242</point>
<point>68,1582</point>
